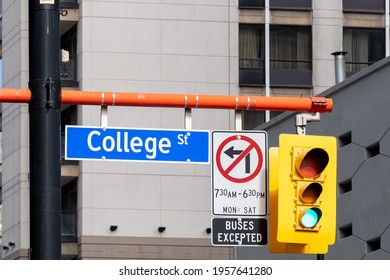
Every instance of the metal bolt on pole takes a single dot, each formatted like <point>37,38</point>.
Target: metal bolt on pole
<point>45,130</point>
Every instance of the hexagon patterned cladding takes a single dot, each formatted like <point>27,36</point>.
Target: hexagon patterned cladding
<point>377,255</point>
<point>353,249</point>
<point>371,184</point>
<point>364,131</point>
<point>344,209</point>
<point>384,144</point>
<point>361,120</point>
<point>350,158</point>
<point>385,240</point>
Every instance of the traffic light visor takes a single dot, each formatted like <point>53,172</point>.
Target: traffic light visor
<point>311,162</point>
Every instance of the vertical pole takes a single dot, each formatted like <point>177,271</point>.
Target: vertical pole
<point>267,55</point>
<point>238,114</point>
<point>45,129</point>
<point>339,66</point>
<point>387,27</point>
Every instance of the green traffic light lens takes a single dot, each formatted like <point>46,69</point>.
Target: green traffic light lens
<point>310,217</point>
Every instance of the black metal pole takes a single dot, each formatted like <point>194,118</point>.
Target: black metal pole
<point>45,130</point>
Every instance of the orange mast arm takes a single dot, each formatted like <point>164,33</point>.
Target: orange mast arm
<point>309,104</point>
<point>15,95</point>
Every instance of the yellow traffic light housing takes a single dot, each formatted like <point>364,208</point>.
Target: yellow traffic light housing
<point>303,194</point>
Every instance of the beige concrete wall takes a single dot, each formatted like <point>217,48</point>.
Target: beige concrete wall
<point>327,38</point>
<point>15,188</point>
<point>103,247</point>
<point>153,46</point>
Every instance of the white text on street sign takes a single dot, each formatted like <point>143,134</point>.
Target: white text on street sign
<point>153,145</point>
<point>234,231</point>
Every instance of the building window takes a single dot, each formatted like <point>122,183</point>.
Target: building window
<point>68,117</point>
<point>69,69</point>
<point>69,4</point>
<point>364,47</point>
<point>251,4</point>
<point>290,4</point>
<point>252,119</point>
<point>290,56</point>
<point>364,6</point>
<point>69,211</point>
<point>251,55</point>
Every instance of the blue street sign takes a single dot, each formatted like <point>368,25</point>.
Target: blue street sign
<point>97,143</point>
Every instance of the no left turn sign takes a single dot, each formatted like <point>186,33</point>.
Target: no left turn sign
<point>246,156</point>
<point>239,173</point>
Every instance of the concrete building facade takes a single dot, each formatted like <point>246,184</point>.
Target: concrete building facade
<point>229,47</point>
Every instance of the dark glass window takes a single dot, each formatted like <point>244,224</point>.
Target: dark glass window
<point>290,4</point>
<point>290,56</point>
<point>253,119</point>
<point>251,54</point>
<point>252,4</point>
<point>68,117</point>
<point>69,69</point>
<point>364,47</point>
<point>69,4</point>
<point>365,6</point>
<point>69,211</point>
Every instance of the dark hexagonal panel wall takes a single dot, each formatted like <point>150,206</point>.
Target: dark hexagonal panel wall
<point>360,120</point>
<point>371,197</point>
<point>350,158</point>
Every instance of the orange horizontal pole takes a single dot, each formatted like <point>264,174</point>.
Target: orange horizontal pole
<point>309,104</point>
<point>9,95</point>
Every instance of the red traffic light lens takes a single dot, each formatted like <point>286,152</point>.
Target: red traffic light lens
<point>313,163</point>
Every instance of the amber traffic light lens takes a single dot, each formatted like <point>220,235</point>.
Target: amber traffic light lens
<point>310,193</point>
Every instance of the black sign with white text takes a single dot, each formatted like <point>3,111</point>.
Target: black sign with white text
<point>239,231</point>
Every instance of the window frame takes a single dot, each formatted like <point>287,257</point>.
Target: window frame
<point>299,5</point>
<point>287,76</point>
<point>364,6</point>
<point>69,4</point>
<point>372,50</point>
<point>253,76</point>
<point>251,4</point>
<point>69,69</point>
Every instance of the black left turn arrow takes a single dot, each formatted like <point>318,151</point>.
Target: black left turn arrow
<point>231,152</point>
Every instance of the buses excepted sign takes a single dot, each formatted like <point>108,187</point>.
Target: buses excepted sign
<point>239,231</point>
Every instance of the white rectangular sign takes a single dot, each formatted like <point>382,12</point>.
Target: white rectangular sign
<point>239,173</point>
<point>46,2</point>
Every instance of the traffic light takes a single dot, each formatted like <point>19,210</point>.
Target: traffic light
<point>303,194</point>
